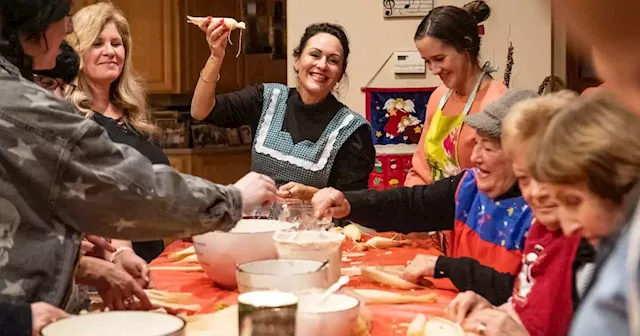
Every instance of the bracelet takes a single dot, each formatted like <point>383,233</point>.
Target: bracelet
<point>206,81</point>
<point>118,251</point>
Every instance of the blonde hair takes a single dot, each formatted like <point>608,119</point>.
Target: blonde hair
<point>592,141</point>
<point>528,119</point>
<point>127,93</point>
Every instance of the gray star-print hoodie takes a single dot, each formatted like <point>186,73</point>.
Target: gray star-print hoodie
<point>61,175</point>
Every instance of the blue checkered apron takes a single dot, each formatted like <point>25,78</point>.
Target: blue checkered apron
<point>274,153</point>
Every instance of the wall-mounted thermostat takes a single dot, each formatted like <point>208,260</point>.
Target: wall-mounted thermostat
<point>408,62</point>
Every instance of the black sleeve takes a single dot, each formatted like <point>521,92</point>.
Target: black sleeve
<point>416,209</point>
<point>15,319</point>
<point>235,109</point>
<point>469,274</point>
<point>585,254</point>
<point>354,162</point>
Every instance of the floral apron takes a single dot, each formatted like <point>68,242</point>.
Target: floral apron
<point>441,146</point>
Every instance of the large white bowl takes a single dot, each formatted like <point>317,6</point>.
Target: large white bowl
<point>336,316</point>
<point>121,323</point>
<point>285,275</point>
<point>250,240</point>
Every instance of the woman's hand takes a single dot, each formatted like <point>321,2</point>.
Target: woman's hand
<point>116,287</point>
<point>296,190</point>
<point>217,35</point>
<point>465,304</point>
<point>494,322</point>
<point>423,265</point>
<point>136,267</point>
<point>95,246</point>
<point>42,314</point>
<point>257,190</point>
<point>329,202</point>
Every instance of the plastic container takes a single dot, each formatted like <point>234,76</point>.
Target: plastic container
<point>312,245</point>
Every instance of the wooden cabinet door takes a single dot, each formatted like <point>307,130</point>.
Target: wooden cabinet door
<point>180,162</point>
<point>76,5</point>
<point>222,167</point>
<point>156,40</point>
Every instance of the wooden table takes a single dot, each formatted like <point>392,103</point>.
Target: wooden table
<point>386,319</point>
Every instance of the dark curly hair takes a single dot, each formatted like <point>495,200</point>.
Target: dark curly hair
<point>328,28</point>
<point>30,19</point>
<point>457,27</point>
<point>67,65</point>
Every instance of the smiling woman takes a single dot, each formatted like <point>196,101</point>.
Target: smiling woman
<point>483,207</point>
<point>111,93</point>
<point>447,39</point>
<point>304,137</point>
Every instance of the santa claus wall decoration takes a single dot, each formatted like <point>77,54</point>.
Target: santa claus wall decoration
<point>397,116</point>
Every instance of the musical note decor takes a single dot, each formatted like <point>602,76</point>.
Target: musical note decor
<point>406,8</point>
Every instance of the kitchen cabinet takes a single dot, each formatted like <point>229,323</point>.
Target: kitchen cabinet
<point>222,165</point>
<point>167,51</point>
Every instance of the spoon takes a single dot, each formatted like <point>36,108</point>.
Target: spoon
<point>323,264</point>
<point>333,288</point>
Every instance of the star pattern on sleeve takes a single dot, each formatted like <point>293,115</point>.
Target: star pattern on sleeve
<point>23,152</point>
<point>13,288</point>
<point>77,189</point>
<point>38,99</point>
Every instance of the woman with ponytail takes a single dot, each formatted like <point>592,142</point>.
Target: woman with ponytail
<point>448,41</point>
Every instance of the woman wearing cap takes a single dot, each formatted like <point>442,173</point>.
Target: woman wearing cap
<point>591,168</point>
<point>483,207</point>
<point>555,267</point>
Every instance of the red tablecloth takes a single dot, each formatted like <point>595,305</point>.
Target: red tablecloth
<point>385,318</point>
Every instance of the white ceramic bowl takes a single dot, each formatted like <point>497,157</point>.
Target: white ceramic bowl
<point>336,316</point>
<point>285,275</point>
<point>121,323</point>
<point>250,240</point>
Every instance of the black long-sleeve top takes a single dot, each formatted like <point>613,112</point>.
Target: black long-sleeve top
<point>354,160</point>
<point>120,133</point>
<point>432,208</point>
<point>15,319</point>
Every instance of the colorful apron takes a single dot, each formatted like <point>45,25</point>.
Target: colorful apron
<point>441,146</point>
<point>489,231</point>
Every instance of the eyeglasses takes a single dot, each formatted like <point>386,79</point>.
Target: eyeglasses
<point>51,84</point>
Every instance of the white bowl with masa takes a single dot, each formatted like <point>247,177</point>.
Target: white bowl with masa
<point>250,240</point>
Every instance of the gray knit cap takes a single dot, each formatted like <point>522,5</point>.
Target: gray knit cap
<point>489,120</point>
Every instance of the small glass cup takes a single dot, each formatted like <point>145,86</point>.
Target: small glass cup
<point>301,214</point>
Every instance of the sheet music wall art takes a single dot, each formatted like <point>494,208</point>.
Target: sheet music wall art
<point>406,8</point>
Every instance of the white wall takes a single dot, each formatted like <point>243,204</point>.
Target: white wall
<point>526,23</point>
